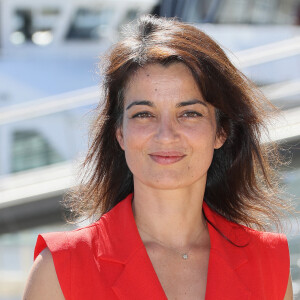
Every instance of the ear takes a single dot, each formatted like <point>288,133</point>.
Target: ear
<point>119,137</point>
<point>220,139</point>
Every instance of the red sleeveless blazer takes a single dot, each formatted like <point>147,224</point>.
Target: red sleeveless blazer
<point>108,260</point>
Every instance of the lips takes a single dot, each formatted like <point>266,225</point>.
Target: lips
<point>167,157</point>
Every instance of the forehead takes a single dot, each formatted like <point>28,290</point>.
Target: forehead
<point>173,80</point>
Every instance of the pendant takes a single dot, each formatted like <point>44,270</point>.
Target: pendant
<point>185,256</point>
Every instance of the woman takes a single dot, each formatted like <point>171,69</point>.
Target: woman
<point>179,176</point>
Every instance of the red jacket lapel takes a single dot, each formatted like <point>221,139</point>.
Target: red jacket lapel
<point>223,281</point>
<point>122,245</point>
<point>139,280</point>
<point>132,274</point>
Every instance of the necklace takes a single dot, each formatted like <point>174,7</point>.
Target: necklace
<point>184,255</point>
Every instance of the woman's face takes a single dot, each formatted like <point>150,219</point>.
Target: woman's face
<point>168,131</point>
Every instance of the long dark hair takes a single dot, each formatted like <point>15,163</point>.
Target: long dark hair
<point>241,181</point>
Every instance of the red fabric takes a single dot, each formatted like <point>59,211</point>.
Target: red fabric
<point>107,260</point>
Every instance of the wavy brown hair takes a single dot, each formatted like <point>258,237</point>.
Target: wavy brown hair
<point>242,179</point>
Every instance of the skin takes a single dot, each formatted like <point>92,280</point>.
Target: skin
<point>169,135</point>
<point>42,282</point>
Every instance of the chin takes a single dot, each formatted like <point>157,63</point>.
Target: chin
<point>166,182</point>
<point>167,179</point>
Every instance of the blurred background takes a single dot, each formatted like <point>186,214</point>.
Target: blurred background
<point>49,82</point>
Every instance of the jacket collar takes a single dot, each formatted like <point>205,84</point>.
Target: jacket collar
<point>227,254</point>
<point>121,244</point>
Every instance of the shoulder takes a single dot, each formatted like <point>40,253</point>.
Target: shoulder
<point>267,246</point>
<point>266,266</point>
<point>61,258</point>
<point>268,254</point>
<point>74,254</point>
<point>267,240</point>
<point>62,242</point>
<point>89,238</point>
<point>242,235</point>
<point>42,282</point>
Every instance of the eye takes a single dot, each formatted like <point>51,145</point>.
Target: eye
<point>191,114</point>
<point>142,115</point>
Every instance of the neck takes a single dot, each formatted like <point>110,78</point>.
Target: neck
<point>172,216</point>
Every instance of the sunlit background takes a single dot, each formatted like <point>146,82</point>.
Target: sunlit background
<point>49,81</point>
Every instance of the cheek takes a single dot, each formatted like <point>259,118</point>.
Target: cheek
<point>202,136</point>
<point>135,137</point>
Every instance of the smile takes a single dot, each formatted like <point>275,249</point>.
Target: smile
<point>166,158</point>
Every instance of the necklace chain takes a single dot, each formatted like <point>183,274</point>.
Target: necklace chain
<point>184,255</point>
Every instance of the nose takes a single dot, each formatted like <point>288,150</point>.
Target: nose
<point>167,131</point>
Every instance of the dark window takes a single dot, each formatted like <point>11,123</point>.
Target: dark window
<point>90,24</point>
<point>31,150</point>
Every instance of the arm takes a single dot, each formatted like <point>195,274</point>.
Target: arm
<point>289,290</point>
<point>42,283</point>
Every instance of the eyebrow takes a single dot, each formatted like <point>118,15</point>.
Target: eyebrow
<point>142,102</point>
<point>180,104</point>
<point>191,102</point>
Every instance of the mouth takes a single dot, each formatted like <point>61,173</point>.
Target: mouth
<point>167,158</point>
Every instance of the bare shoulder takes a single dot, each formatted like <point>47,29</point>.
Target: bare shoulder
<point>42,282</point>
<point>289,290</point>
